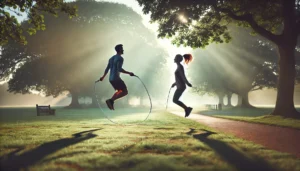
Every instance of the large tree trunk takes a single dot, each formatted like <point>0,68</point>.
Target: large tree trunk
<point>239,103</point>
<point>243,100</point>
<point>229,96</point>
<point>74,103</point>
<point>286,84</point>
<point>221,99</point>
<point>286,46</point>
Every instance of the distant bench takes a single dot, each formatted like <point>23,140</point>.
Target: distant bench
<point>44,110</point>
<point>214,106</point>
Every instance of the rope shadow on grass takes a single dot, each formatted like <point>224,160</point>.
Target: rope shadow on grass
<point>231,155</point>
<point>13,161</point>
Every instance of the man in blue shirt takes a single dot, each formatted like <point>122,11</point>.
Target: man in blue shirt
<point>115,64</point>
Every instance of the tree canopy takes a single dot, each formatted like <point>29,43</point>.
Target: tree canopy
<point>246,64</point>
<point>71,54</point>
<point>199,23</point>
<point>10,27</point>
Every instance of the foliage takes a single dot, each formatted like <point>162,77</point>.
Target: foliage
<point>247,63</point>
<point>199,23</point>
<point>71,54</point>
<point>207,20</point>
<point>10,27</point>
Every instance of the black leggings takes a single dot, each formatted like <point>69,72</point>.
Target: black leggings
<point>176,97</point>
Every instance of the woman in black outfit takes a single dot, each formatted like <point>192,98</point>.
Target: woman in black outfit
<point>181,81</point>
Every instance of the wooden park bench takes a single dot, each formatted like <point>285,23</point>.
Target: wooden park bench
<point>44,110</point>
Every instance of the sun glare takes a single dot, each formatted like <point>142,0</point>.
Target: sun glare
<point>182,18</point>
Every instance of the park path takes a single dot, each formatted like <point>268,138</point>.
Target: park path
<point>273,137</point>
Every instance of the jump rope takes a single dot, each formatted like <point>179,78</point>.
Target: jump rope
<point>150,109</point>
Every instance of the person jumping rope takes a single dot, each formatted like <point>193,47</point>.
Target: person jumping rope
<point>115,64</point>
<point>181,81</point>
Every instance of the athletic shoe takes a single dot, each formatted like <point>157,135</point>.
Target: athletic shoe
<point>188,111</point>
<point>110,104</point>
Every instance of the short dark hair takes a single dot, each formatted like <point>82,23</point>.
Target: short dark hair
<point>118,47</point>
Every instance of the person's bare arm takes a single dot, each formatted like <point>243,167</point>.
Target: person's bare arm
<point>105,73</point>
<point>124,71</point>
<point>120,69</point>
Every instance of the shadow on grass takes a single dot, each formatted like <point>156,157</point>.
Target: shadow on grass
<point>13,161</point>
<point>231,155</point>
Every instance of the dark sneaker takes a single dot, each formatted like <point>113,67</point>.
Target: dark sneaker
<point>188,111</point>
<point>110,104</point>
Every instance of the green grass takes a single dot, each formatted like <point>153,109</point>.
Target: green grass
<point>254,115</point>
<point>85,140</point>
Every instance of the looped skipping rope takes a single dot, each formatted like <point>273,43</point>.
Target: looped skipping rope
<point>150,110</point>
<point>100,105</point>
<point>168,98</point>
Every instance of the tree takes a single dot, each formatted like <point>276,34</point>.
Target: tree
<point>209,80</point>
<point>33,76</point>
<point>11,56</point>
<point>198,23</point>
<point>252,62</point>
<point>245,64</point>
<point>10,28</point>
<point>71,54</point>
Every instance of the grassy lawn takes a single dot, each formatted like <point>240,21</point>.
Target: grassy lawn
<point>85,140</point>
<point>256,115</point>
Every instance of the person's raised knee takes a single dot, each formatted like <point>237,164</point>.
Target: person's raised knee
<point>175,100</point>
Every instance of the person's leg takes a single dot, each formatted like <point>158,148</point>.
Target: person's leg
<point>176,97</point>
<point>119,94</point>
<point>121,91</point>
<point>110,102</point>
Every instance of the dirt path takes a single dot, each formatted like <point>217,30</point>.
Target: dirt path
<point>273,137</point>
